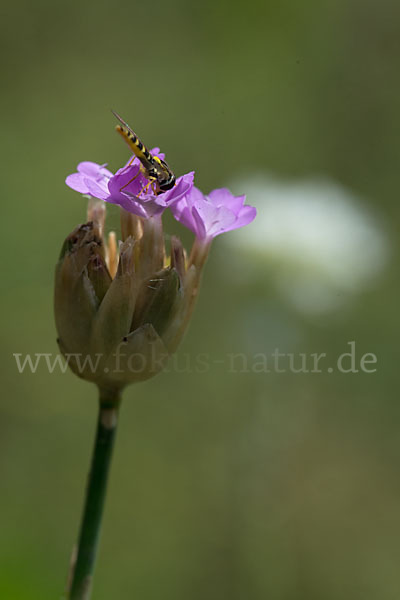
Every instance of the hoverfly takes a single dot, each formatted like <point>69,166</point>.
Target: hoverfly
<point>155,169</point>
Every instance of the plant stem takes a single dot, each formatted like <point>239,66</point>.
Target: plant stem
<point>82,571</point>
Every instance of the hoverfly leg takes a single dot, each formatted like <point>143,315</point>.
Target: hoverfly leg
<point>130,181</point>
<point>146,187</point>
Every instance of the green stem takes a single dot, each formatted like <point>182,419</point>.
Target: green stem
<point>82,570</point>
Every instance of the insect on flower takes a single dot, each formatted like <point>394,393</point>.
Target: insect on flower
<point>154,168</point>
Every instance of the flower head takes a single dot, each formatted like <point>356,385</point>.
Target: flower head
<point>209,216</point>
<point>137,302</point>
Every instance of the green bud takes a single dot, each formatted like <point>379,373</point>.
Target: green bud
<point>114,317</point>
<point>75,298</point>
<point>158,300</point>
<point>122,329</point>
<point>99,276</point>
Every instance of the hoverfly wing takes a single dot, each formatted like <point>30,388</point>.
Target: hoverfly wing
<point>124,123</point>
<point>134,142</point>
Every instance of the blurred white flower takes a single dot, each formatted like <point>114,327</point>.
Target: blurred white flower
<point>318,241</point>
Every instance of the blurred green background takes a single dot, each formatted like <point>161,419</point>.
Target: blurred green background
<point>224,484</point>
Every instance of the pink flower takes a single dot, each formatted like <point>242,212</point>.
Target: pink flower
<point>209,216</point>
<point>91,179</point>
<point>129,187</point>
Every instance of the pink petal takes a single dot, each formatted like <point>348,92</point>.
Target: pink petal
<point>223,197</point>
<point>76,181</point>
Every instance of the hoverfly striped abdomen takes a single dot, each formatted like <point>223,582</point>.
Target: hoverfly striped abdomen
<point>154,167</point>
